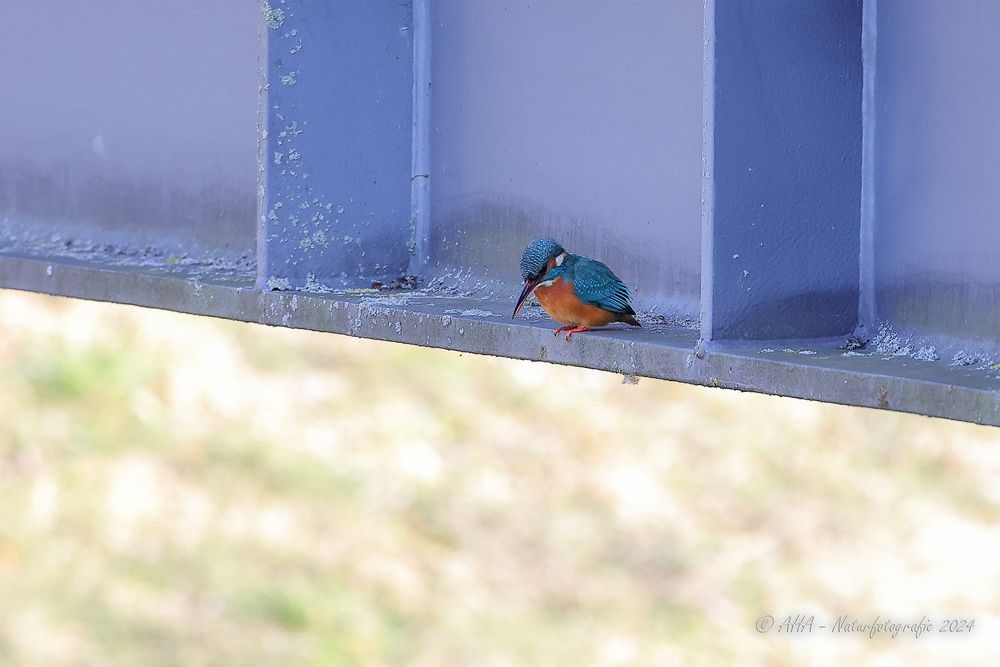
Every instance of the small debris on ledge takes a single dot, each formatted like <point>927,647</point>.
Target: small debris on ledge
<point>854,343</point>
<point>407,281</point>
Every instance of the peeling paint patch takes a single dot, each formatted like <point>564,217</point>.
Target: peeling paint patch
<point>882,398</point>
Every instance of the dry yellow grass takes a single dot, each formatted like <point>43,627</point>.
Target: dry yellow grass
<point>181,491</point>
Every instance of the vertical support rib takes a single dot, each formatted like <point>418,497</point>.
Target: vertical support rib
<point>707,164</point>
<point>783,182</point>
<point>261,236</point>
<point>867,313</point>
<point>420,179</point>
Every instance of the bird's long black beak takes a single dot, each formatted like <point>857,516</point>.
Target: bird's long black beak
<point>529,285</point>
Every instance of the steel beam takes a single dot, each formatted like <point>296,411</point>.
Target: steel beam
<point>802,196</point>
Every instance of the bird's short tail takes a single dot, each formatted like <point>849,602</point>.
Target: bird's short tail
<point>629,318</point>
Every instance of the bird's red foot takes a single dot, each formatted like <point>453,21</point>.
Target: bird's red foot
<point>572,330</point>
<point>565,327</point>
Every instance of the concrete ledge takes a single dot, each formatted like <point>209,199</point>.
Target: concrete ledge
<point>813,369</point>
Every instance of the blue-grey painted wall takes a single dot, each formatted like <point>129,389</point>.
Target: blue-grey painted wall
<point>578,120</point>
<point>786,172</point>
<point>937,170</point>
<point>338,145</point>
<point>129,122</point>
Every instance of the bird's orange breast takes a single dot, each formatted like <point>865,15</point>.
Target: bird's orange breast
<point>563,305</point>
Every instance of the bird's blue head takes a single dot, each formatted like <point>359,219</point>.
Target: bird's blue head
<point>539,256</point>
<point>536,257</point>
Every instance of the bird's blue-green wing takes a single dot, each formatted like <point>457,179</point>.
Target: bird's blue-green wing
<point>596,284</point>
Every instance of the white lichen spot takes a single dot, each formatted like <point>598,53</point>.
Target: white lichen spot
<point>289,79</point>
<point>48,270</point>
<point>446,321</point>
<point>276,284</point>
<point>399,327</point>
<point>294,155</point>
<point>273,17</point>
<point>314,285</point>
<point>963,358</point>
<point>889,343</point>
<point>928,353</point>
<point>340,209</point>
<point>472,312</point>
<point>278,157</point>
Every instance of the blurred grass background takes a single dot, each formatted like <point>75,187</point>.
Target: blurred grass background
<point>177,490</point>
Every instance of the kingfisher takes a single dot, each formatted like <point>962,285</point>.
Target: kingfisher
<point>578,291</point>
